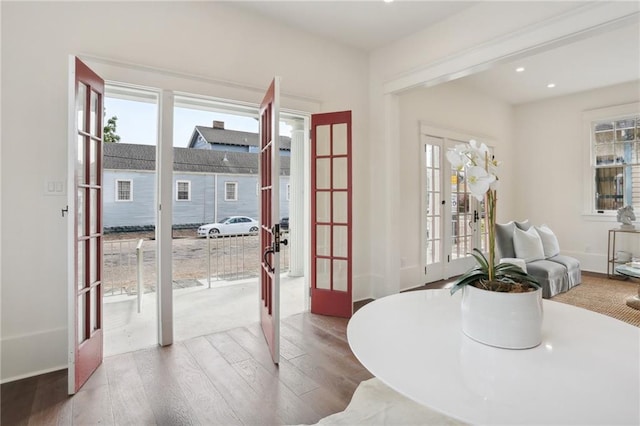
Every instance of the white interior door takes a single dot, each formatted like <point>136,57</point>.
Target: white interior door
<point>453,220</point>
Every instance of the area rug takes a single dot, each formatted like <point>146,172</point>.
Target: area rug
<point>374,403</point>
<point>605,296</point>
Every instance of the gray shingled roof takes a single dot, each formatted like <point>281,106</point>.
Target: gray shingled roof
<point>124,156</point>
<point>236,137</point>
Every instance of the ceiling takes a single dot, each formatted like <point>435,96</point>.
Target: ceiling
<point>602,60</point>
<point>364,24</point>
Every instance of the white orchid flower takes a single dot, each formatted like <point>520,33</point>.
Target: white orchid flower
<point>478,154</point>
<point>479,181</point>
<point>494,167</point>
<point>456,159</point>
<point>495,184</point>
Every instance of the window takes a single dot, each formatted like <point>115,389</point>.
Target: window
<point>183,190</point>
<point>231,191</point>
<point>615,159</point>
<point>124,190</point>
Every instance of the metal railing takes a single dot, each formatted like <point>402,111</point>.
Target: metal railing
<point>230,258</point>
<point>140,269</point>
<point>236,257</point>
<point>122,267</point>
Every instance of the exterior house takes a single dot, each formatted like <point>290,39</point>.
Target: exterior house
<point>208,185</point>
<point>218,138</point>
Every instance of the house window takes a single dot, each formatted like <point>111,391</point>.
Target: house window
<point>183,190</point>
<point>615,159</point>
<point>124,190</point>
<point>231,191</point>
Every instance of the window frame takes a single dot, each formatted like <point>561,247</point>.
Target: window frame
<point>235,191</point>
<point>117,191</point>
<point>590,117</point>
<point>178,182</point>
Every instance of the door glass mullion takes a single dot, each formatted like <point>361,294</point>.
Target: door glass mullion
<point>433,204</point>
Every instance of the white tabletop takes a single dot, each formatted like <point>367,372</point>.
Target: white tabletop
<point>586,371</point>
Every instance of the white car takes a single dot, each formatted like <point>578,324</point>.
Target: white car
<point>232,225</point>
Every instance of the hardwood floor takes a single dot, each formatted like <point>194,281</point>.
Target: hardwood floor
<point>224,378</point>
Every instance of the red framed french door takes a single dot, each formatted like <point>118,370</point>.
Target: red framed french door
<point>331,230</point>
<point>86,346</point>
<point>269,169</point>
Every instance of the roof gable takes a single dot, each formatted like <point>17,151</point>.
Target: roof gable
<point>234,137</point>
<point>122,156</point>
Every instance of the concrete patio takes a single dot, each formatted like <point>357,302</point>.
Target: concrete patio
<point>197,311</point>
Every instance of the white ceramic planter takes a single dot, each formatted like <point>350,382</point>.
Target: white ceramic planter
<point>504,320</point>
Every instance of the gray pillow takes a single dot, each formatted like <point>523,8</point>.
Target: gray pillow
<point>504,239</point>
<point>524,225</point>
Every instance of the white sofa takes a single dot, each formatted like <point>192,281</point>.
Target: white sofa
<point>556,273</point>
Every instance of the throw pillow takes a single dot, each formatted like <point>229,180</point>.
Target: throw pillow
<point>549,241</point>
<point>504,239</point>
<point>524,225</point>
<point>527,245</point>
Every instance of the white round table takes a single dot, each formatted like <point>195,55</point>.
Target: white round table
<point>586,371</point>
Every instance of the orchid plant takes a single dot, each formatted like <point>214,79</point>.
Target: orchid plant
<point>481,173</point>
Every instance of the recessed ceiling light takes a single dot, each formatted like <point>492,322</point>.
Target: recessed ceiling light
<point>551,85</point>
<point>388,1</point>
<point>520,69</point>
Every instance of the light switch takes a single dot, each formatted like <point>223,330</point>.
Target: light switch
<point>54,187</point>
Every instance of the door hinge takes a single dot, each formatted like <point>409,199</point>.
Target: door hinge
<point>448,258</point>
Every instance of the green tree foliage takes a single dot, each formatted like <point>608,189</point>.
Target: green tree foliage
<point>110,135</point>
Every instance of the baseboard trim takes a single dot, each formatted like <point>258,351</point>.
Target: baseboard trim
<point>23,355</point>
<point>32,374</point>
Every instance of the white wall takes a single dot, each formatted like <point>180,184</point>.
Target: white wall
<point>240,52</point>
<point>549,144</point>
<point>454,107</point>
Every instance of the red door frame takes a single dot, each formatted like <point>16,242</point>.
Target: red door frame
<point>331,301</point>
<point>88,347</point>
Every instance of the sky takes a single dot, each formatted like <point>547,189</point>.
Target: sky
<point>137,122</point>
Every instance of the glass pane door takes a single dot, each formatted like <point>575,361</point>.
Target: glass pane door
<point>464,220</point>
<point>433,208</point>
<point>453,220</point>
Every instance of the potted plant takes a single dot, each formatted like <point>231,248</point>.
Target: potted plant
<point>501,303</point>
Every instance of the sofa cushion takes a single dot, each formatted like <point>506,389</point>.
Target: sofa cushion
<point>504,239</point>
<point>573,268</point>
<point>552,276</point>
<point>524,225</point>
<point>527,245</point>
<point>549,241</point>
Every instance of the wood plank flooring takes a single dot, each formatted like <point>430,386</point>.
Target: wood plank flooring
<point>225,378</point>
